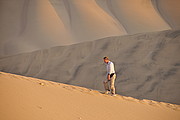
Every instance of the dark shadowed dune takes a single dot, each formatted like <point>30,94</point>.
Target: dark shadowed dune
<point>147,65</point>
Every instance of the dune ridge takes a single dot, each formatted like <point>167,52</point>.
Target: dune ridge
<point>30,98</point>
<point>147,65</point>
<point>29,25</point>
<point>166,9</point>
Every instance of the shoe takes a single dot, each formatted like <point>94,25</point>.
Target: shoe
<point>107,92</point>
<point>114,95</point>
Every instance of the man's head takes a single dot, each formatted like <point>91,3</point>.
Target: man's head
<point>106,59</point>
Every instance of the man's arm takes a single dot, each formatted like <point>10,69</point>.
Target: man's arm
<point>108,77</point>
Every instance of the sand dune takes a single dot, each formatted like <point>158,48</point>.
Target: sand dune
<point>147,65</point>
<point>28,25</point>
<point>167,9</point>
<point>25,98</point>
<point>136,16</point>
<point>86,20</point>
<point>65,40</point>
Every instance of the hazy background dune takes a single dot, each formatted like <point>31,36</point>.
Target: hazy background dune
<point>28,25</point>
<point>168,9</point>
<point>147,65</point>
<point>136,16</point>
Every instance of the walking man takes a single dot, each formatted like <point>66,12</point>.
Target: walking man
<point>111,76</point>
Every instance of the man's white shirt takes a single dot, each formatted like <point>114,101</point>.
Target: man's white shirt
<point>110,68</point>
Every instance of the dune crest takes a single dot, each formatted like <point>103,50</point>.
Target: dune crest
<point>31,98</point>
<point>28,25</point>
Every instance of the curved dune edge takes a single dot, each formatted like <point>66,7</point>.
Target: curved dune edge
<point>168,10</point>
<point>29,25</point>
<point>30,98</point>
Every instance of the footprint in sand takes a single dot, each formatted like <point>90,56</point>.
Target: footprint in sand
<point>42,84</point>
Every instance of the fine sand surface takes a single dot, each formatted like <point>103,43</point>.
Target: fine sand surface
<point>25,98</point>
<point>167,9</point>
<point>147,65</point>
<point>28,25</point>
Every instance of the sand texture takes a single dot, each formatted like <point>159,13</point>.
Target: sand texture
<point>167,10</point>
<point>147,65</point>
<point>25,98</point>
<point>28,25</point>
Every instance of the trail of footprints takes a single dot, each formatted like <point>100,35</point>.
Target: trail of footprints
<point>44,83</point>
<point>94,92</point>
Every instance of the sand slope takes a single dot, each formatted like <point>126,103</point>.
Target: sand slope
<point>25,98</point>
<point>136,16</point>
<point>28,25</point>
<point>147,65</point>
<point>167,9</point>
